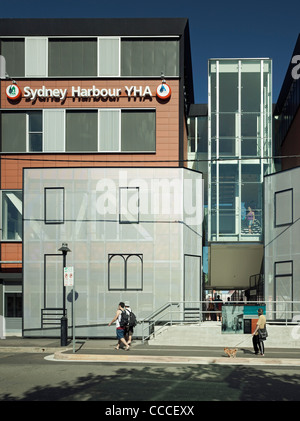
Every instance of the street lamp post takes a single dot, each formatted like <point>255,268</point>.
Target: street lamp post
<point>64,321</point>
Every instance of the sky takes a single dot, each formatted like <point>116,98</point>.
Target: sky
<point>218,29</point>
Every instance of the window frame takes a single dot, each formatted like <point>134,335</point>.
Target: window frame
<point>137,220</point>
<point>275,208</point>
<point>54,222</point>
<point>126,257</point>
<point>1,215</point>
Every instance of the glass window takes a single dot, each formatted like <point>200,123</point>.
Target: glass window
<point>138,131</point>
<point>35,131</point>
<point>72,57</point>
<point>12,215</point>
<point>228,92</point>
<point>250,125</point>
<point>227,198</point>
<point>202,134</point>
<point>13,304</point>
<point>14,52</point>
<point>13,131</point>
<point>81,131</point>
<point>251,91</point>
<point>227,147</point>
<point>149,57</point>
<point>227,125</point>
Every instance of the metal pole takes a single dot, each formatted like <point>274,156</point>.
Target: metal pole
<point>73,315</point>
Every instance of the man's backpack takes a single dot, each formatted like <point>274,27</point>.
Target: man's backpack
<point>124,319</point>
<point>132,319</point>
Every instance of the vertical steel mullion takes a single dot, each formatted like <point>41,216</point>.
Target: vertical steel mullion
<point>217,149</point>
<point>239,145</point>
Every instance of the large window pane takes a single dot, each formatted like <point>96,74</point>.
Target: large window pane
<point>14,52</point>
<point>227,198</point>
<point>12,215</point>
<point>227,125</point>
<point>250,125</point>
<point>138,131</point>
<point>72,57</point>
<point>13,132</point>
<point>149,57</point>
<point>81,131</point>
<point>228,92</point>
<point>250,92</point>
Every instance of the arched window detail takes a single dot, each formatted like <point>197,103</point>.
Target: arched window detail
<point>125,272</point>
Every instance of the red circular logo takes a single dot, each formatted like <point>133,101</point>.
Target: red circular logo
<point>13,92</point>
<point>163,91</point>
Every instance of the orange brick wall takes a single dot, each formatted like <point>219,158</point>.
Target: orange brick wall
<point>167,127</point>
<point>11,252</point>
<point>167,134</point>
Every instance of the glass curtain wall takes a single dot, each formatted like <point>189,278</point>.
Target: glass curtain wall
<point>239,147</point>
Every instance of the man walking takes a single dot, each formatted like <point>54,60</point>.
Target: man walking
<point>120,330</point>
<point>129,328</point>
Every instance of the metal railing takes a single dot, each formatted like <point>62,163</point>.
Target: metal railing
<point>197,312</point>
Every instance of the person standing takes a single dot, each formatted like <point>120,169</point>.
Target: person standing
<point>261,324</point>
<point>250,219</point>
<point>218,305</point>
<point>120,330</point>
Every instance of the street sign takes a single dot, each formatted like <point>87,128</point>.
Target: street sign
<point>68,276</point>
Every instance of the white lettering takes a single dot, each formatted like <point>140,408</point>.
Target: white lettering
<point>129,90</point>
<point>137,91</point>
<point>147,91</point>
<point>27,92</point>
<point>75,91</point>
<point>63,94</point>
<point>133,412</point>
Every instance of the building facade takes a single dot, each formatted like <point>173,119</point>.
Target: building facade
<point>287,115</point>
<point>135,234</point>
<point>86,93</point>
<point>234,154</point>
<point>281,192</point>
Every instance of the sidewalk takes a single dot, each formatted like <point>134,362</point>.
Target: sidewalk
<point>102,350</point>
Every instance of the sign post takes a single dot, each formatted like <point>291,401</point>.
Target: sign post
<point>70,282</point>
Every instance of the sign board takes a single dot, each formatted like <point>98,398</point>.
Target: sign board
<point>68,276</point>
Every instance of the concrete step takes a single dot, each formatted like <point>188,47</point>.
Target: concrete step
<point>210,334</point>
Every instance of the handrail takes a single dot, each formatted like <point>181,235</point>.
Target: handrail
<point>283,310</point>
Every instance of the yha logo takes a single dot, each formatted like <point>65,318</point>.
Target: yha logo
<point>13,92</point>
<point>163,91</point>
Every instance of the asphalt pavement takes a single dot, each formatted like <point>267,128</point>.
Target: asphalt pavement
<point>103,350</point>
